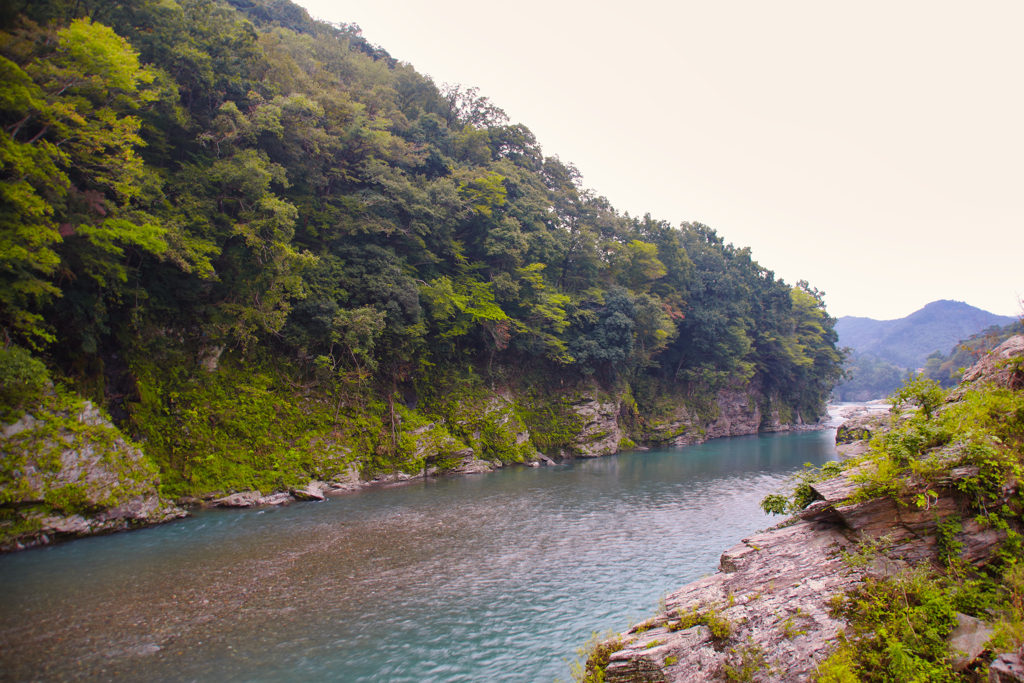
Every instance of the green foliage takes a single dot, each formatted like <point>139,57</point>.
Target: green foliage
<point>868,377</point>
<point>22,382</point>
<point>66,461</point>
<point>70,172</point>
<point>925,394</point>
<point>552,422</point>
<point>710,616</point>
<point>244,427</point>
<point>223,175</point>
<point>594,657</point>
<point>746,662</point>
<point>802,494</point>
<point>899,619</point>
<point>946,369</point>
<point>984,429</point>
<point>489,422</point>
<point>897,630</point>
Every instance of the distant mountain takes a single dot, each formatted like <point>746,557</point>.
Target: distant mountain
<point>907,342</point>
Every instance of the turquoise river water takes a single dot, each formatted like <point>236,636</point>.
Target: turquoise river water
<point>492,577</point>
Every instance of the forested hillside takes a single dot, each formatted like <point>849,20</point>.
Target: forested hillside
<point>246,233</point>
<point>947,368</point>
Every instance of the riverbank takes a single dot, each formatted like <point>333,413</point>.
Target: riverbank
<point>910,516</point>
<point>464,430</point>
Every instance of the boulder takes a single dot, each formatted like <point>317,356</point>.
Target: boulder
<point>1007,668</point>
<point>246,499</point>
<point>347,481</point>
<point>473,466</point>
<point>276,499</point>
<point>311,492</point>
<point>862,427</point>
<point>967,641</point>
<point>70,472</point>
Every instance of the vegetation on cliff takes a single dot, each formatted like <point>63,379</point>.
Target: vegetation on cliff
<point>253,236</point>
<point>947,368</point>
<point>958,456</point>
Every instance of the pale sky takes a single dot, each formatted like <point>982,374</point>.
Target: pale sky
<point>873,148</point>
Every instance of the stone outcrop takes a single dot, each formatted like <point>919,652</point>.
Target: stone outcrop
<point>737,411</point>
<point>854,435</point>
<point>601,433</point>
<point>771,590</point>
<point>768,603</point>
<point>314,490</point>
<point>245,499</point>
<point>861,427</point>
<point>996,367</point>
<point>67,471</point>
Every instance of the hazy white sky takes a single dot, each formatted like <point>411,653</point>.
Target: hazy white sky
<point>873,148</point>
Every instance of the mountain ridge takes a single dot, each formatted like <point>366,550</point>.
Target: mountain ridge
<point>907,341</point>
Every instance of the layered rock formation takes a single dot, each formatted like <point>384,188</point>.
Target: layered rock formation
<point>766,611</point>
<point>736,411</point>
<point>601,433</point>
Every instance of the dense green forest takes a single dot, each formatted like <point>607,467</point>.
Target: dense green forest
<point>193,185</point>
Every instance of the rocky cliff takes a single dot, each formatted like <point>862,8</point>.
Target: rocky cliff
<point>67,471</point>
<point>776,606</point>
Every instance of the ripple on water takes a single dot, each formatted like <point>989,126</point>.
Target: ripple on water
<point>492,577</point>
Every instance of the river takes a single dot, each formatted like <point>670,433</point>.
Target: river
<point>490,577</point>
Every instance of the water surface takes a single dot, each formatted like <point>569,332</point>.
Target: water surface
<point>492,577</point>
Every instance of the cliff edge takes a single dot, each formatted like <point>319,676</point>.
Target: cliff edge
<point>931,509</point>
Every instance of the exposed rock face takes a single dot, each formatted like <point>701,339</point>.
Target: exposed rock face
<point>861,427</point>
<point>601,432</point>
<point>433,441</point>
<point>67,471</point>
<point>995,368</point>
<point>969,640</point>
<point>737,412</point>
<point>1007,668</point>
<point>246,499</point>
<point>773,589</point>
<point>314,490</point>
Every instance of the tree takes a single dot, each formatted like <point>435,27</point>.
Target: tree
<point>70,169</point>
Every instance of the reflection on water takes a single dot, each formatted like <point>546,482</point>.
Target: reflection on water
<point>493,577</point>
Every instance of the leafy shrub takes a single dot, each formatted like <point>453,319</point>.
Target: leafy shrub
<point>745,662</point>
<point>594,657</point>
<point>711,617</point>
<point>802,494</point>
<point>22,381</point>
<point>897,631</point>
